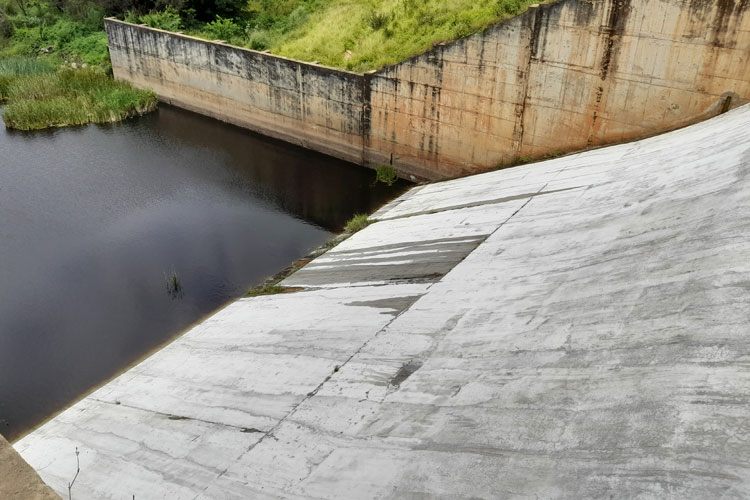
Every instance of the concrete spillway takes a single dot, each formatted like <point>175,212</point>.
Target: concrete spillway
<point>576,328</point>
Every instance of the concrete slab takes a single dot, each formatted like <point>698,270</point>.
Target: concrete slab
<point>572,329</point>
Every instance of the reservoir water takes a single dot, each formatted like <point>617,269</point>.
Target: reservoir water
<point>95,220</point>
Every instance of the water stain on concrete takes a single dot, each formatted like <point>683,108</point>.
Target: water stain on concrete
<point>405,372</point>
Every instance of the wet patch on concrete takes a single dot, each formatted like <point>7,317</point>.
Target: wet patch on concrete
<point>422,261</point>
<point>394,304</point>
<point>405,372</point>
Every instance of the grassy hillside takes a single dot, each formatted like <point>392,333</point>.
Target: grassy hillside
<point>358,35</point>
<point>365,35</point>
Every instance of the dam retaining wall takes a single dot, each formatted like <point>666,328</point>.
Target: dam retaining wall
<point>559,77</point>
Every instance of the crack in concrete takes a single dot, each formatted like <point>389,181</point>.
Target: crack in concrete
<point>172,416</point>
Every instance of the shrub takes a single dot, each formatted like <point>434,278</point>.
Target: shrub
<point>222,29</point>
<point>507,8</point>
<point>357,223</point>
<point>386,174</point>
<point>207,10</point>
<point>259,40</point>
<point>91,49</point>
<point>131,17</point>
<point>378,20</point>
<point>168,19</point>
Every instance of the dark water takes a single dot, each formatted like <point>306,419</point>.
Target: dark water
<point>93,218</point>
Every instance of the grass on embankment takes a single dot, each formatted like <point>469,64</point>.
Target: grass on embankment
<point>358,35</point>
<point>366,35</point>
<point>38,97</point>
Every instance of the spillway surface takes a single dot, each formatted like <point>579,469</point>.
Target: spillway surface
<point>576,328</point>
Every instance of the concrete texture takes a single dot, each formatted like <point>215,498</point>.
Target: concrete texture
<point>572,329</point>
<point>560,77</point>
<point>313,106</point>
<point>18,481</point>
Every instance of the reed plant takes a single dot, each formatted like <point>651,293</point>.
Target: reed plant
<point>71,97</point>
<point>13,67</point>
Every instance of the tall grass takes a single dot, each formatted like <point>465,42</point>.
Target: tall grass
<point>13,67</point>
<point>71,97</point>
<point>359,35</point>
<point>366,35</point>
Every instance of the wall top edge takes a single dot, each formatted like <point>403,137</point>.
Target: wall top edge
<point>114,20</point>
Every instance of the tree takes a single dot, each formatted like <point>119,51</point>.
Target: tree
<point>208,10</point>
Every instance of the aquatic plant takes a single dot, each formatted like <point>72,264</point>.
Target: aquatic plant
<point>386,174</point>
<point>13,67</point>
<point>174,285</point>
<point>72,97</point>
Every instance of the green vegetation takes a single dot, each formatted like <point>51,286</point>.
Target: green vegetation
<point>357,223</point>
<point>358,35</point>
<point>174,285</point>
<point>366,35</point>
<point>38,37</point>
<point>268,290</point>
<point>12,68</point>
<point>54,66</point>
<point>353,34</point>
<point>168,19</point>
<point>42,30</point>
<point>386,174</point>
<point>70,97</point>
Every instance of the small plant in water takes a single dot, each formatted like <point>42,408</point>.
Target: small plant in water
<point>357,223</point>
<point>386,174</point>
<point>174,285</point>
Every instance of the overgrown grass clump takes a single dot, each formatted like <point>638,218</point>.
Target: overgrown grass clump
<point>357,223</point>
<point>12,68</point>
<point>386,174</point>
<point>71,97</point>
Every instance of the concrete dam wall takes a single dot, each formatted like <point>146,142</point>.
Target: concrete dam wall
<point>560,77</point>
